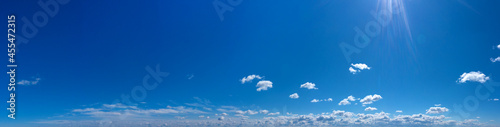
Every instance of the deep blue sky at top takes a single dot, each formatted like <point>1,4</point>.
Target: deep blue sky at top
<point>94,51</point>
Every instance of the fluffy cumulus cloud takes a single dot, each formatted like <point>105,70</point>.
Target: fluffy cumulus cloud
<point>355,68</point>
<point>495,60</point>
<point>294,96</point>
<point>370,99</point>
<point>473,76</point>
<point>308,85</point>
<point>250,78</point>
<point>436,110</point>
<point>347,100</point>
<point>498,46</point>
<point>370,109</point>
<point>264,85</point>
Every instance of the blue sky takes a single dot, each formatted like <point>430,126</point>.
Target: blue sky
<point>428,57</point>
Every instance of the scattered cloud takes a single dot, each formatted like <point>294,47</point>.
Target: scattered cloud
<point>355,68</point>
<point>498,46</point>
<point>347,100</point>
<point>437,105</point>
<point>250,78</point>
<point>436,110</point>
<point>264,85</point>
<point>370,109</point>
<point>294,96</point>
<point>334,118</point>
<point>399,111</point>
<point>494,99</point>
<point>370,99</point>
<point>29,82</point>
<point>190,76</point>
<point>473,76</point>
<point>273,114</point>
<point>264,111</point>
<point>314,100</point>
<point>495,60</point>
<point>251,112</point>
<point>308,85</point>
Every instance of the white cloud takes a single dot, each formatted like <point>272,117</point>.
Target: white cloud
<point>399,111</point>
<point>334,118</point>
<point>249,78</point>
<point>494,99</point>
<point>273,114</point>
<point>329,99</point>
<point>370,99</point>
<point>264,111</point>
<point>264,85</point>
<point>314,100</point>
<point>370,109</point>
<point>320,100</point>
<point>294,96</point>
<point>498,46</point>
<point>358,67</point>
<point>308,85</point>
<point>352,70</point>
<point>29,82</point>
<point>495,60</point>
<point>250,112</point>
<point>473,76</point>
<point>240,112</point>
<point>437,105</point>
<point>436,110</point>
<point>347,100</point>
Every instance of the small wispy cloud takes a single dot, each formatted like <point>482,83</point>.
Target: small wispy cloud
<point>29,82</point>
<point>436,110</point>
<point>308,85</point>
<point>370,109</point>
<point>190,76</point>
<point>399,111</point>
<point>316,100</point>
<point>495,60</point>
<point>249,78</point>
